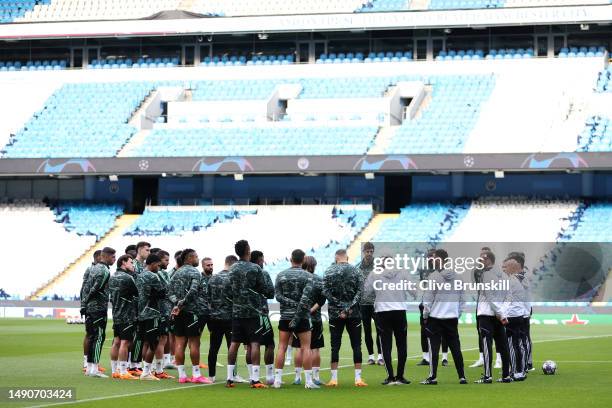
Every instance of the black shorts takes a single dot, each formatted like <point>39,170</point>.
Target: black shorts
<point>316,338</point>
<point>247,330</point>
<point>187,325</point>
<point>150,331</point>
<point>94,321</point>
<point>217,325</point>
<point>302,326</point>
<point>164,326</point>
<point>267,337</point>
<point>125,331</point>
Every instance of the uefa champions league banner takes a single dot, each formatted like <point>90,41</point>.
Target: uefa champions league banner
<point>569,161</point>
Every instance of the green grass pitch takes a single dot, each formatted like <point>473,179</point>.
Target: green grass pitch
<point>47,353</point>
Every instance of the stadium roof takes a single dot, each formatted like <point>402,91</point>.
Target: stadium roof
<point>601,14</point>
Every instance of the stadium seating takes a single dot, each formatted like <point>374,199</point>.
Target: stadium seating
<point>464,4</point>
<point>11,10</point>
<point>29,228</point>
<point>77,10</point>
<point>604,80</point>
<point>582,52</point>
<point>88,219</point>
<point>163,222</point>
<point>112,63</point>
<point>257,141</point>
<point>593,224</point>
<point>350,57</point>
<point>596,136</point>
<point>38,65</point>
<point>422,223</point>
<point>237,60</point>
<point>81,120</point>
<point>87,10</point>
<point>212,231</point>
<point>445,125</point>
<point>513,219</point>
<point>273,7</point>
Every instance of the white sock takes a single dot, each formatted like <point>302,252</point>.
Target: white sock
<point>159,367</point>
<point>139,365</point>
<point>308,376</point>
<point>315,373</point>
<point>334,375</point>
<point>255,370</point>
<point>85,361</point>
<point>182,372</point>
<point>498,357</point>
<point>92,368</point>
<point>298,373</point>
<point>357,374</point>
<point>481,357</point>
<point>371,357</point>
<point>123,367</point>
<point>444,356</point>
<point>167,359</point>
<point>195,371</point>
<point>113,366</point>
<point>278,375</point>
<point>147,369</point>
<point>269,372</point>
<point>130,359</point>
<point>426,356</point>
<point>230,371</point>
<point>250,370</point>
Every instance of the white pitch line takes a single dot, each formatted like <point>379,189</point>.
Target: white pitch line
<point>134,394</point>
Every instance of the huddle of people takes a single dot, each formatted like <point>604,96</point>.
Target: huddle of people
<point>158,313</point>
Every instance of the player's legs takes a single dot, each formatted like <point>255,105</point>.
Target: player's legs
<point>216,339</point>
<point>305,339</point>
<point>279,363</point>
<point>451,332</point>
<point>114,356</point>
<point>400,332</point>
<point>353,327</point>
<point>486,334</point>
<point>367,312</point>
<point>501,346</point>
<point>424,346</point>
<point>434,339</point>
<point>96,330</point>
<point>385,332</point>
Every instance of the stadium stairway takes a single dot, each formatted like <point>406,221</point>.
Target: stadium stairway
<point>419,4</point>
<point>383,139</point>
<point>121,224</point>
<point>367,234</point>
<point>137,121</point>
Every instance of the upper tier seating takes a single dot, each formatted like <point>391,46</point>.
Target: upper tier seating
<point>596,136</point>
<point>11,10</point>
<point>88,10</point>
<point>81,120</point>
<point>37,65</point>
<point>257,141</point>
<point>445,125</point>
<point>604,80</point>
<point>116,63</point>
